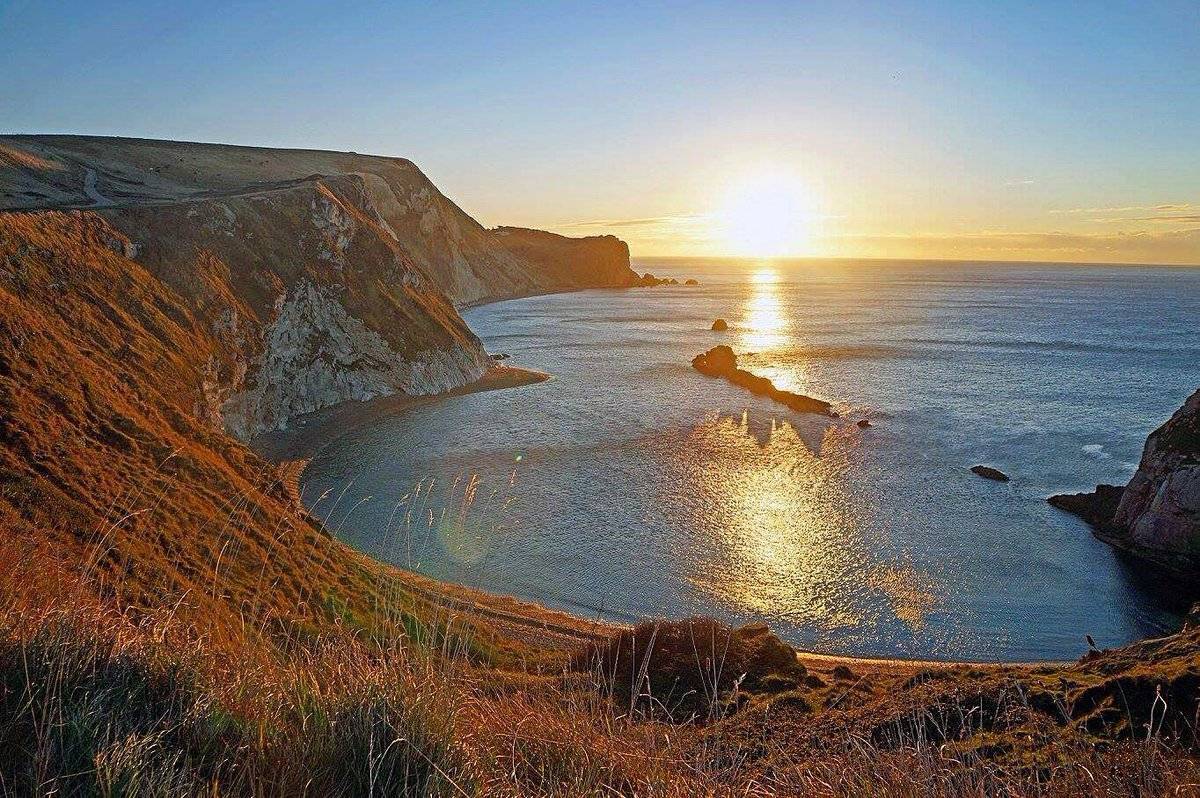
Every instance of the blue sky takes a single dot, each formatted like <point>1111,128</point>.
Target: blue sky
<point>934,128</point>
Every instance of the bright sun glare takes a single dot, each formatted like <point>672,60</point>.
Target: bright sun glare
<point>768,215</point>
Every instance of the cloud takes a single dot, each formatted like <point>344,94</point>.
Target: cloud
<point>1114,219</point>
<point>1163,208</point>
<point>1178,246</point>
<point>641,222</point>
<point>1026,182</point>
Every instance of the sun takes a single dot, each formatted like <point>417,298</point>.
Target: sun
<point>766,215</point>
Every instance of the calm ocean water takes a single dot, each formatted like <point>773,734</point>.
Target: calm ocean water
<point>630,485</point>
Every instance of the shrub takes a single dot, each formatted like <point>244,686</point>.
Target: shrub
<point>691,669</point>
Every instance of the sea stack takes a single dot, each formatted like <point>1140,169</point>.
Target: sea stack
<point>720,325</point>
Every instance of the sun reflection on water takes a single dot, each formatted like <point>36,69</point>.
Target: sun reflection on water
<point>764,321</point>
<point>786,535</point>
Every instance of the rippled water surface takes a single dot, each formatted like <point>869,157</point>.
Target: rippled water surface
<point>631,485</point>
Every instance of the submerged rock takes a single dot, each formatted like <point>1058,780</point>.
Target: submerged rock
<point>720,361</point>
<point>720,325</point>
<point>989,473</point>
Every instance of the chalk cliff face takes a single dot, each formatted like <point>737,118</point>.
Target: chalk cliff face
<point>1157,515</point>
<point>313,277</point>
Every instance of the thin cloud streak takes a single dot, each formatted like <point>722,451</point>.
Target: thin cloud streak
<point>1179,246</point>
<point>642,222</point>
<point>1116,219</point>
<point>1163,208</point>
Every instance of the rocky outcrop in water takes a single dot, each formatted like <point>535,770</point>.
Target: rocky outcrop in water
<point>315,277</point>
<point>1157,515</point>
<point>987,472</point>
<point>720,361</point>
<point>1097,507</point>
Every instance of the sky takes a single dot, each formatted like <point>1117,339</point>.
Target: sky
<point>1014,131</point>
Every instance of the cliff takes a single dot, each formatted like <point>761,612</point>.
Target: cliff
<point>1157,515</point>
<point>315,277</point>
<point>571,262</point>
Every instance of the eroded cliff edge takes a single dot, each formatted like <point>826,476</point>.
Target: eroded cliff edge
<point>1157,515</point>
<point>314,277</point>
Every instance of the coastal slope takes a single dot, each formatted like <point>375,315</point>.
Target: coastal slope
<point>316,277</point>
<point>467,261</point>
<point>169,615</point>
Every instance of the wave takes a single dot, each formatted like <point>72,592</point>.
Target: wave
<point>1059,346</point>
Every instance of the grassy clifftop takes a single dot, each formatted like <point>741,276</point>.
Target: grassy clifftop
<point>172,623</point>
<point>468,262</point>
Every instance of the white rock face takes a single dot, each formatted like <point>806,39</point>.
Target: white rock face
<point>316,355</point>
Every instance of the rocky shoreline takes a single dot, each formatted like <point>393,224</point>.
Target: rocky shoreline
<point>1156,517</point>
<point>311,433</point>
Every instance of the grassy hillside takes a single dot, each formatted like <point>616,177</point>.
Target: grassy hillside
<point>172,623</point>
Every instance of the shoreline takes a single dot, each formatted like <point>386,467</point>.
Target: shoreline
<point>292,449</point>
<point>312,432</point>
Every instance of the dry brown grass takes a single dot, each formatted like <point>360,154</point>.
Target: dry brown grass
<point>98,701</point>
<point>172,624</point>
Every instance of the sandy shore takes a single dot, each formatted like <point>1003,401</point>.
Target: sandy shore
<point>294,448</point>
<point>311,433</point>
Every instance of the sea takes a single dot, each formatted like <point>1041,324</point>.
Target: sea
<point>630,486</point>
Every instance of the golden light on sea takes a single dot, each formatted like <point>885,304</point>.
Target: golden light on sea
<point>788,538</point>
<point>784,537</point>
<point>764,327</point>
<point>764,320</point>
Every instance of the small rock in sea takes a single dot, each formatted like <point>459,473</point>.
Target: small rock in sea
<point>501,356</point>
<point>864,423</point>
<point>691,281</point>
<point>720,325</point>
<point>989,473</point>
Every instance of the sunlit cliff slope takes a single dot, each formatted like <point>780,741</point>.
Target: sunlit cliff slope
<point>317,276</point>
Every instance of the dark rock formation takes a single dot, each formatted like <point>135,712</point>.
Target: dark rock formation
<point>721,362</point>
<point>716,362</point>
<point>648,280</point>
<point>1157,515</point>
<point>864,423</point>
<point>565,263</point>
<point>720,325</point>
<point>989,473</point>
<point>1097,508</point>
<point>1161,504</point>
<point>691,281</point>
